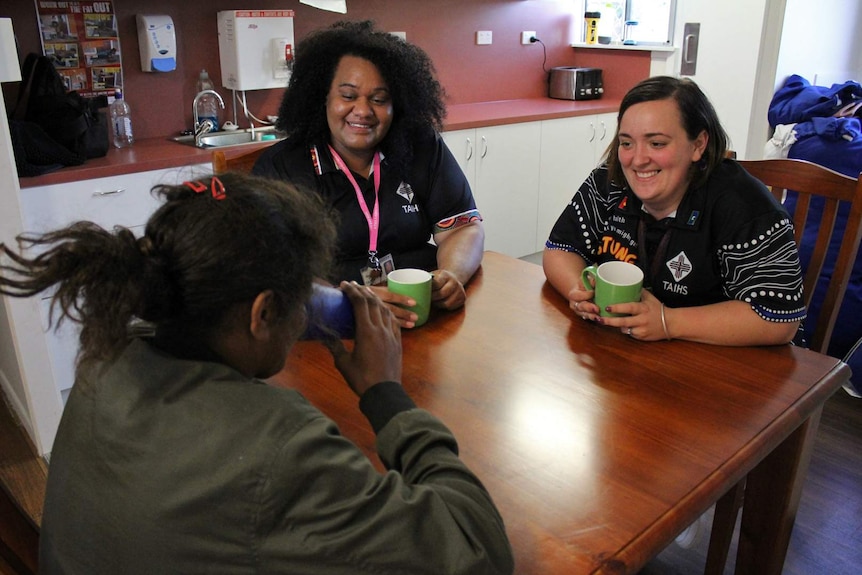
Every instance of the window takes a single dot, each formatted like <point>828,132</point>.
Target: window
<point>654,19</point>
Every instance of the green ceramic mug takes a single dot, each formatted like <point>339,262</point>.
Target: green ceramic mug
<point>416,284</point>
<point>615,282</point>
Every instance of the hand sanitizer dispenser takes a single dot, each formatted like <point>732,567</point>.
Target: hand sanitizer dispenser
<point>158,43</point>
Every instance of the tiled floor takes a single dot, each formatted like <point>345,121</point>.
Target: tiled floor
<point>535,258</point>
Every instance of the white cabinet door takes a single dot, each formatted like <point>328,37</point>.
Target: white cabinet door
<point>117,200</point>
<point>62,341</point>
<point>571,148</point>
<point>507,182</point>
<point>462,145</point>
<point>502,165</point>
<point>606,126</point>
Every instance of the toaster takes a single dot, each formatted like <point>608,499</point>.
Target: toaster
<point>571,83</point>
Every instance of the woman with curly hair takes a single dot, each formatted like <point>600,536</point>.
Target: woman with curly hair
<point>362,113</point>
<point>173,455</point>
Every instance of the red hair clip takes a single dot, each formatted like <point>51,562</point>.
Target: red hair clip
<point>216,187</point>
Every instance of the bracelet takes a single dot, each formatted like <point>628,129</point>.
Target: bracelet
<point>664,323</point>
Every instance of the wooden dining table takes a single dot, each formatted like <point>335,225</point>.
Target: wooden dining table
<point>597,448</point>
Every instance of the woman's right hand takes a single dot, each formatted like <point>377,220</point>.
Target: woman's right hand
<point>564,271</point>
<point>376,353</point>
<point>581,302</point>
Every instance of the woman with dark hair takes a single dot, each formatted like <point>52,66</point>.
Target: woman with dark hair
<point>362,113</point>
<point>173,456</point>
<point>719,259</point>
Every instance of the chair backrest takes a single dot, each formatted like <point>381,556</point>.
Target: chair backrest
<point>236,162</point>
<point>811,180</point>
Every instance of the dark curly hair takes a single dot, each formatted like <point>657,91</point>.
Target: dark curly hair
<point>696,112</point>
<point>198,256</point>
<point>417,96</point>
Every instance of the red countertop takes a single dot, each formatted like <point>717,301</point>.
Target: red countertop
<point>527,110</point>
<point>161,153</point>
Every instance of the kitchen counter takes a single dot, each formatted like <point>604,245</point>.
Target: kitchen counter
<point>502,112</point>
<point>162,153</point>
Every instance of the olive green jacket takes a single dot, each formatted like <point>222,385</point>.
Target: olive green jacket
<point>163,465</point>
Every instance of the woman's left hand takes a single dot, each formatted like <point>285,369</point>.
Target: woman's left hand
<point>643,321</point>
<point>447,292</point>
<point>397,304</point>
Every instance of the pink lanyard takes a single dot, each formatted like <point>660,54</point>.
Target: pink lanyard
<point>373,219</point>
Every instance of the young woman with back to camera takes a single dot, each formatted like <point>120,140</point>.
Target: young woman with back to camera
<point>174,456</point>
<point>717,250</point>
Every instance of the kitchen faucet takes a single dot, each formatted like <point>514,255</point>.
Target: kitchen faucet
<point>202,128</point>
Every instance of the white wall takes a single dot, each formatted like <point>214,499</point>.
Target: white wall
<point>11,378</point>
<point>10,371</point>
<point>822,42</point>
<point>736,56</point>
<point>748,48</point>
<point>24,351</point>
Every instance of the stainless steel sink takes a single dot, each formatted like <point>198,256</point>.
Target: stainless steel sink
<point>232,138</point>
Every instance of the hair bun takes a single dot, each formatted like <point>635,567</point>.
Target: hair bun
<point>157,291</point>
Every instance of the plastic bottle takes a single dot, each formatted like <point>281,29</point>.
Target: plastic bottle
<point>591,27</point>
<point>121,121</point>
<point>629,38</point>
<point>207,104</point>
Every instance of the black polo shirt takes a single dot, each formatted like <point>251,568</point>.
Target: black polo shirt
<point>728,240</point>
<point>435,192</point>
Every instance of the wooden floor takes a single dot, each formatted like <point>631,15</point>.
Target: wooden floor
<point>827,537</point>
<point>22,489</point>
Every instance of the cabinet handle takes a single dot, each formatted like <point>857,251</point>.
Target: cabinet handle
<point>604,131</point>
<point>689,55</point>
<point>593,132</point>
<point>484,147</point>
<point>110,192</point>
<point>469,149</point>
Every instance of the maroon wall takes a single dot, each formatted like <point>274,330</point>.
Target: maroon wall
<point>161,103</point>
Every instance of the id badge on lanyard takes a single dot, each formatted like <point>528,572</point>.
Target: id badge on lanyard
<point>375,272</point>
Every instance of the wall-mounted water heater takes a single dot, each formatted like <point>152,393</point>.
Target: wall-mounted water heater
<point>255,48</point>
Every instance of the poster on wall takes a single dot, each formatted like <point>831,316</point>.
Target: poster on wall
<point>81,40</point>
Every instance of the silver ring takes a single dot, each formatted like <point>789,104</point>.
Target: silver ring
<point>629,332</point>
<point>577,306</point>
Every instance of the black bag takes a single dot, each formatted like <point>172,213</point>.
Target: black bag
<point>72,121</point>
<point>36,152</point>
<point>92,126</point>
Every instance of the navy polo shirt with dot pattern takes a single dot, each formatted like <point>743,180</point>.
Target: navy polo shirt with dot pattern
<point>729,239</point>
<point>435,191</point>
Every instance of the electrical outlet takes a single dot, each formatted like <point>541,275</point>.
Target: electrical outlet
<point>483,37</point>
<point>525,37</point>
<point>402,35</point>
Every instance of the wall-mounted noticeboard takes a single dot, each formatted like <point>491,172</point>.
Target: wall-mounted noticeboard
<point>82,41</point>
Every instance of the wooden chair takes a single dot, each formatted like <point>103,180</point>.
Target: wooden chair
<point>242,162</point>
<point>809,180</point>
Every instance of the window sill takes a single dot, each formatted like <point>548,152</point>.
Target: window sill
<point>635,47</point>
